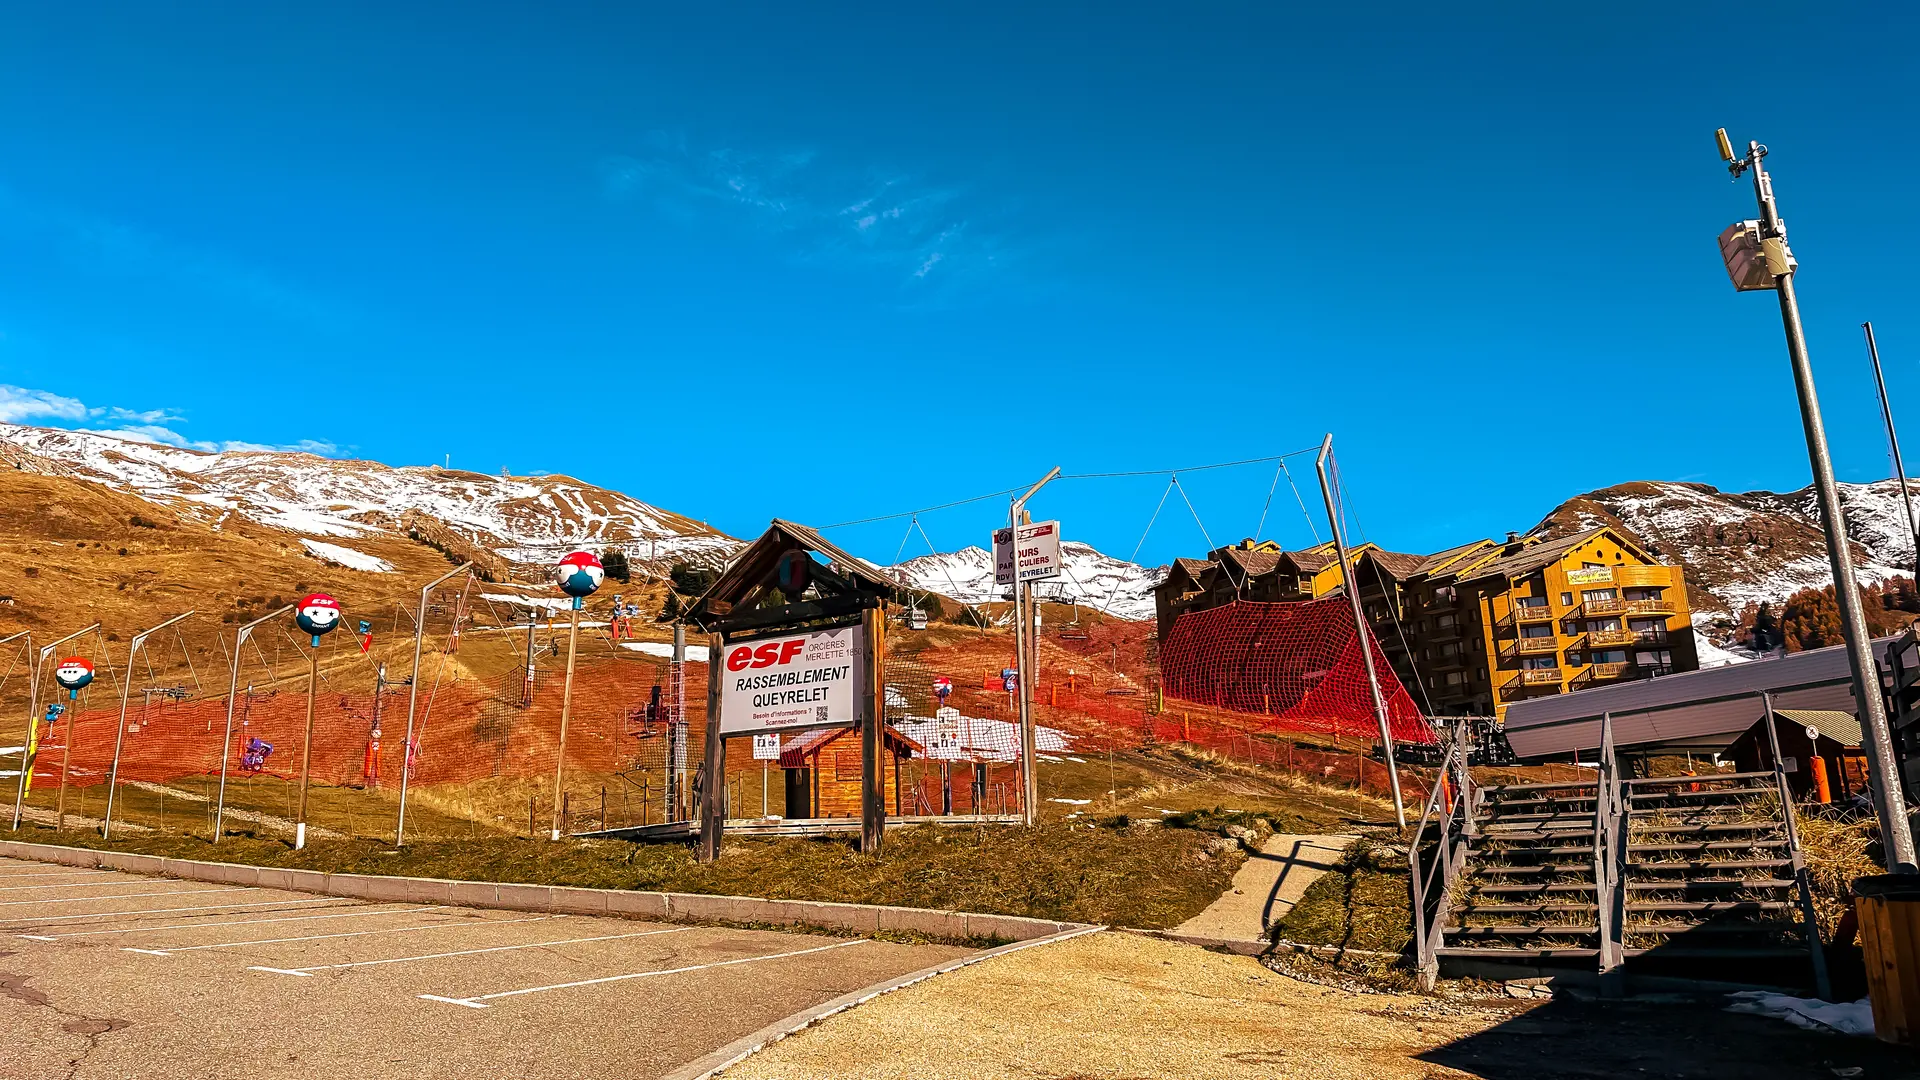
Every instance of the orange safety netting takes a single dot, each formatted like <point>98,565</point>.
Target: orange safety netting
<point>1298,665</point>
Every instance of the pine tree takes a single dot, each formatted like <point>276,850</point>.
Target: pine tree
<point>614,562</point>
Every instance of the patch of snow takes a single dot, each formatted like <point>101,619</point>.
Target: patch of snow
<point>347,557</point>
<point>1091,579</point>
<point>696,654</point>
<point>1072,802</point>
<point>1845,1017</point>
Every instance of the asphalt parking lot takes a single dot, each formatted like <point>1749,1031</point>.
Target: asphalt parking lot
<point>107,974</point>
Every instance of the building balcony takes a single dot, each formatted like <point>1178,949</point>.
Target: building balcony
<point>1536,646</point>
<point>1596,608</point>
<point>1445,633</point>
<point>1611,671</point>
<point>1651,639</point>
<point>1448,662</point>
<point>1602,638</point>
<point>1649,607</point>
<point>1543,613</point>
<point>1531,678</point>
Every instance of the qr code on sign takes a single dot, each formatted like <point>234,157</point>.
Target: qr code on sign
<point>820,713</point>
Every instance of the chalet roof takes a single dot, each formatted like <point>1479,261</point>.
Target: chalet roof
<point>1313,560</point>
<point>1534,556</point>
<point>1397,564</point>
<point>1251,563</point>
<point>1441,560</point>
<point>1839,726</point>
<point>755,564</point>
<point>1195,567</point>
<point>794,754</point>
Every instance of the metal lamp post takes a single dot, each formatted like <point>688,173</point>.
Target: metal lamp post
<point>233,689</point>
<point>1757,257</point>
<point>120,733</point>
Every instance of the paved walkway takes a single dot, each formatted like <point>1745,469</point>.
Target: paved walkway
<point>1266,888</point>
<point>109,975</point>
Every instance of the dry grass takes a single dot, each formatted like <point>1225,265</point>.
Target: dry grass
<point>1837,851</point>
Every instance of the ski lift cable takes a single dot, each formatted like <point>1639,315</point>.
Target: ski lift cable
<point>181,638</point>
<point>1115,591</point>
<point>1261,528</point>
<point>1311,528</point>
<point>107,659</point>
<point>948,571</point>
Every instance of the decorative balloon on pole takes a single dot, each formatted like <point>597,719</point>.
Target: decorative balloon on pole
<point>74,673</point>
<point>578,575</point>
<point>316,614</point>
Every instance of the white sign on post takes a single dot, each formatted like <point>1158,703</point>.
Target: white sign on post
<point>766,747</point>
<point>791,681</point>
<point>1030,553</point>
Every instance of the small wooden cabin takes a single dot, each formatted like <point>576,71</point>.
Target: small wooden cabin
<point>1807,735</point>
<point>823,771</point>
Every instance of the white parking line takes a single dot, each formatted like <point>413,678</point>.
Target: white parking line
<point>64,873</point>
<point>76,885</point>
<point>469,923</point>
<point>166,911</point>
<point>478,1000</point>
<point>126,896</point>
<point>308,971</point>
<point>235,922</point>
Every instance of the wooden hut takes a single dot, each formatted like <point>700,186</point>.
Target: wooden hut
<point>823,771</point>
<point>1829,737</point>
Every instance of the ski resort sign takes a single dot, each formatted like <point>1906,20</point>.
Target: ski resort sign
<point>791,681</point>
<point>1029,553</point>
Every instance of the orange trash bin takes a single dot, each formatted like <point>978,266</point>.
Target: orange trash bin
<point>1888,906</point>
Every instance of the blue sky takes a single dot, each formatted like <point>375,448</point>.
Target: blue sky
<point>831,263</point>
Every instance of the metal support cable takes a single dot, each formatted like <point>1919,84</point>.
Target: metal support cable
<point>1115,591</point>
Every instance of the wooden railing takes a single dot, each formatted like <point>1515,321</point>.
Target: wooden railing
<point>1541,676</point>
<point>1543,613</point>
<point>1536,646</point>
<point>1610,671</point>
<point>1649,607</point>
<point>1593,608</point>
<point>1612,637</point>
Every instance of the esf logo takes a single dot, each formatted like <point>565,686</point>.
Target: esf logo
<point>767,655</point>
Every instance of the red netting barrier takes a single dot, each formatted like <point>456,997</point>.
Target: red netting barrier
<point>1298,665</point>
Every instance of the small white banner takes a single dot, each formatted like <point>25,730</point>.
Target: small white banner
<point>766,747</point>
<point>1031,553</point>
<point>792,681</point>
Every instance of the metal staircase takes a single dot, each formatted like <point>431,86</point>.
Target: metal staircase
<point>1685,877</point>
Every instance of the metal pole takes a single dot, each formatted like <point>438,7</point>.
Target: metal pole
<point>413,697</point>
<point>119,736</point>
<point>1030,776</point>
<point>677,741</point>
<point>306,749</point>
<point>1878,744</point>
<point>1893,441</point>
<point>233,690</point>
<point>1360,631</point>
<point>566,705</point>
<point>33,718</point>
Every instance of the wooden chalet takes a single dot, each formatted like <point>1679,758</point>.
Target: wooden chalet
<point>823,772</point>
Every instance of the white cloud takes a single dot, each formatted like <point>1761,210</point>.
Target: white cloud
<point>18,404</point>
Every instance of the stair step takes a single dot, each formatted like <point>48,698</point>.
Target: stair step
<point>1717,845</point>
<point>1732,929</point>
<point>1516,819</point>
<point>1506,789</point>
<point>1683,884</point>
<point>1701,820</point>
<point>1542,887</point>
<point>1711,907</point>
<point>1518,909</point>
<point>1711,793</point>
<point>1710,778</point>
<point>1522,931</point>
<point>1666,952</point>
<point>1496,952</point>
<point>1732,864</point>
<point>1538,869</point>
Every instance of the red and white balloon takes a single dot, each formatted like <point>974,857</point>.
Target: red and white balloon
<point>317,613</point>
<point>579,575</point>
<point>74,673</point>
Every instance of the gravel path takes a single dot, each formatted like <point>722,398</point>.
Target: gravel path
<point>1123,1006</point>
<point>1266,887</point>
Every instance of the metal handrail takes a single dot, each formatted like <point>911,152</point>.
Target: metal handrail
<point>1455,822</point>
<point>1816,951</point>
<point>1609,863</point>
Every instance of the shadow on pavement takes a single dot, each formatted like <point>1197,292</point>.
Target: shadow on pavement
<point>1576,1040</point>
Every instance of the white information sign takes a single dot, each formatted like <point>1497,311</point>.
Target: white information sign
<point>1031,553</point>
<point>945,745</point>
<point>792,681</point>
<point>766,747</point>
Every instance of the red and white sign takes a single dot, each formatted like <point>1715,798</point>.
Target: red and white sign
<point>1029,553</point>
<point>793,681</point>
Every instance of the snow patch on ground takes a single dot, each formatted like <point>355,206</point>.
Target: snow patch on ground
<point>1845,1017</point>
<point>696,654</point>
<point>347,557</point>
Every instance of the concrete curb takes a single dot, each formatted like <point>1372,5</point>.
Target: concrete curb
<point>562,899</point>
<point>740,1049</point>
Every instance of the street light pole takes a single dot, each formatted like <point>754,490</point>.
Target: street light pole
<point>1022,632</point>
<point>1890,803</point>
<point>1360,632</point>
<point>1893,442</point>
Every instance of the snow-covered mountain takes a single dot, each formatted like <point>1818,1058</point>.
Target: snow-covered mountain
<point>1742,548</point>
<point>518,519</point>
<point>1119,587</point>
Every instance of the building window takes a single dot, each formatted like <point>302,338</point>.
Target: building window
<point>1645,593</point>
<point>1530,602</point>
<point>1455,678</point>
<point>1566,599</point>
<point>1536,630</point>
<point>1608,656</point>
<point>1588,596</point>
<point>1612,622</point>
<point>1445,622</point>
<point>1537,663</point>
